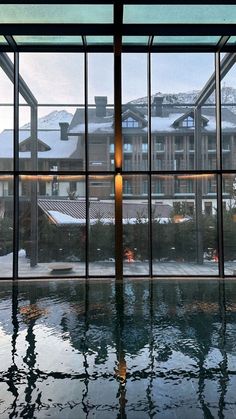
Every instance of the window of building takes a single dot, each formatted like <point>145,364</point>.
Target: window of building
<point>127,147</point>
<point>144,147</point>
<point>188,122</point>
<point>130,123</point>
<point>127,163</point>
<point>159,144</point>
<point>211,143</point>
<point>145,187</point>
<point>179,143</point>
<point>127,187</point>
<point>191,143</point>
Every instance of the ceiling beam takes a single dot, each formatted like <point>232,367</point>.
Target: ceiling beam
<point>226,64</point>
<point>8,67</point>
<point>126,29</point>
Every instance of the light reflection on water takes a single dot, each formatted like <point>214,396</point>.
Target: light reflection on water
<point>70,349</point>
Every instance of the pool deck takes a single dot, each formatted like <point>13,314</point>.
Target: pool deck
<point>171,268</point>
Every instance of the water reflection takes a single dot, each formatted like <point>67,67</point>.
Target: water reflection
<point>135,350</point>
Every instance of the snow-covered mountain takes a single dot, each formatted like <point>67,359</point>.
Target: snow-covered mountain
<point>51,121</point>
<point>228,96</point>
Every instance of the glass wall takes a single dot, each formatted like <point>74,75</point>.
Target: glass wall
<point>136,252</point>
<point>101,226</point>
<point>52,225</point>
<point>6,166</point>
<point>134,112</point>
<point>228,110</point>
<point>184,232</point>
<point>100,112</point>
<point>183,122</point>
<point>172,164</point>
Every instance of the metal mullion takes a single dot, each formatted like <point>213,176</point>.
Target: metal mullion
<point>118,18</point>
<point>11,42</point>
<point>219,165</point>
<point>149,161</point>
<point>222,42</point>
<point>86,163</point>
<point>16,168</point>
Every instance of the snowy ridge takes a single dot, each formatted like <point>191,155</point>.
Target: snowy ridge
<point>228,96</point>
<point>51,121</point>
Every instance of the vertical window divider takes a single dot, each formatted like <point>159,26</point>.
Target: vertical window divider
<point>34,187</point>
<point>149,161</point>
<point>16,168</point>
<point>118,18</point>
<point>219,166</point>
<point>86,162</point>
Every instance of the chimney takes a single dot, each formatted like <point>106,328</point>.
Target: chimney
<point>101,102</point>
<point>158,109</point>
<point>64,130</point>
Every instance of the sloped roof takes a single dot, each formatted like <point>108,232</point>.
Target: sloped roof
<point>28,141</point>
<point>189,113</point>
<point>165,123</point>
<point>52,138</point>
<point>69,212</point>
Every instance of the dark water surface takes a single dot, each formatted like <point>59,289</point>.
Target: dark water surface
<point>158,349</point>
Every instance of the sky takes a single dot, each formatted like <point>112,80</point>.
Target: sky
<point>59,78</point>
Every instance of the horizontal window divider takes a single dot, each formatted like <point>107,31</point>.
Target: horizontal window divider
<point>125,48</point>
<point>59,172</point>
<point>112,173</point>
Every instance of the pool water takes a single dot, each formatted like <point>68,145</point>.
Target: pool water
<point>141,349</point>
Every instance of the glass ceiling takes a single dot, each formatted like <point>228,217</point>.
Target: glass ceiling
<point>180,14</point>
<point>56,13</point>
<point>186,40</point>
<point>48,40</point>
<point>98,24</point>
<point>2,40</point>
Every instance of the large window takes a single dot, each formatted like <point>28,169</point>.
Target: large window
<point>58,164</point>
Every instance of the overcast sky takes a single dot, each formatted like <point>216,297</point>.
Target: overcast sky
<point>59,78</point>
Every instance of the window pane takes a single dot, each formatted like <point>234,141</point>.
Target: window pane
<point>179,14</point>
<point>135,225</point>
<point>99,40</point>
<point>101,115</point>
<point>2,40</point>
<point>51,13</point>
<point>228,117</point>
<point>60,139</point>
<point>6,113</point>
<point>50,40</point>
<point>229,220</point>
<point>183,130</point>
<point>184,225</point>
<point>134,112</point>
<point>52,137</point>
<point>55,78</point>
<point>231,40</point>
<point>6,226</point>
<point>101,226</point>
<point>186,40</point>
<point>52,225</point>
<point>135,40</point>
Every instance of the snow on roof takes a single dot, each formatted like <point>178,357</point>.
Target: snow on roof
<point>61,218</point>
<point>67,212</point>
<point>93,127</point>
<point>58,148</point>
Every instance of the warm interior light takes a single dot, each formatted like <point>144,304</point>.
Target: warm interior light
<point>118,185</point>
<point>121,370</point>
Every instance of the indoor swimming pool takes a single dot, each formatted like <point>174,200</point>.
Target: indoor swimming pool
<point>100,349</point>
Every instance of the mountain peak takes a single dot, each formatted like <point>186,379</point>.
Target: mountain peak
<point>52,120</point>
